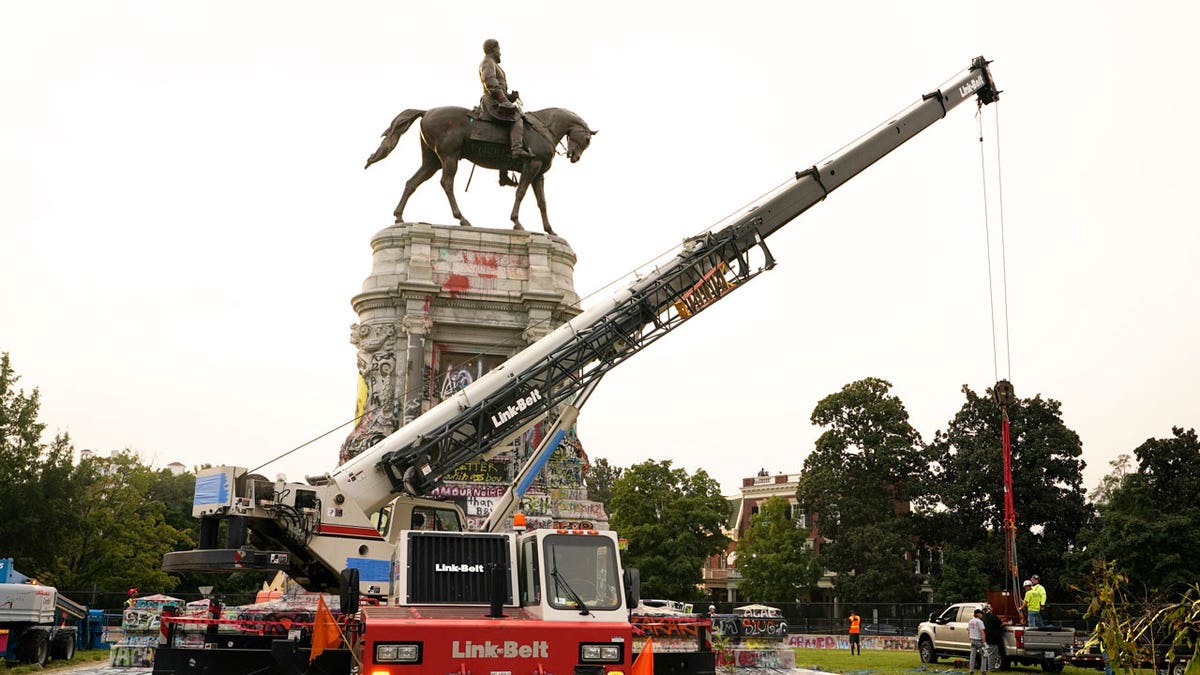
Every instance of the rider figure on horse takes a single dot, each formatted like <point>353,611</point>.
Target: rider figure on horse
<point>498,104</point>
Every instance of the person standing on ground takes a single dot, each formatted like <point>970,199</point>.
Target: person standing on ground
<point>855,624</point>
<point>975,631</point>
<point>993,637</point>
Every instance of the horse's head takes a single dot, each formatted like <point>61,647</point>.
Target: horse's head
<point>578,140</point>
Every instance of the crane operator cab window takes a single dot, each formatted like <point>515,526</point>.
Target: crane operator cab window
<point>440,520</point>
<point>581,570</point>
<point>420,518</point>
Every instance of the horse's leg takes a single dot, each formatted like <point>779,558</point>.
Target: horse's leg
<point>539,191</point>
<point>449,168</point>
<point>429,166</point>
<point>532,168</point>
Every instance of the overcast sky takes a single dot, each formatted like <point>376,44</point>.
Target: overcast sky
<point>184,216</point>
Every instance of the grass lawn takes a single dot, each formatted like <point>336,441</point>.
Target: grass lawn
<point>887,662</point>
<point>81,657</point>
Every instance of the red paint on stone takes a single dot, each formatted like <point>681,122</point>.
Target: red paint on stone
<point>492,261</point>
<point>456,284</point>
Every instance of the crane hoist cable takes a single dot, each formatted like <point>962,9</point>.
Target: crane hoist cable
<point>1003,392</point>
<point>990,255</point>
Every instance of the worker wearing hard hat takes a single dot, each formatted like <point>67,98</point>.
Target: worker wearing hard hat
<point>1035,599</point>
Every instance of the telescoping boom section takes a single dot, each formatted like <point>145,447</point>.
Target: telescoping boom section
<point>708,267</point>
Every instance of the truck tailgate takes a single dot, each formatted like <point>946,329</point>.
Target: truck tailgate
<point>1048,640</point>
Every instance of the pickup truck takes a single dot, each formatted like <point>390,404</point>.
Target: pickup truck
<point>946,635</point>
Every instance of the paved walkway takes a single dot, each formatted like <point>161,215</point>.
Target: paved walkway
<point>102,668</point>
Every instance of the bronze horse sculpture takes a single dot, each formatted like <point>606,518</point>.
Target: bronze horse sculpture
<point>446,137</point>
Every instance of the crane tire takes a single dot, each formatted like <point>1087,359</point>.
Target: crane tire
<point>35,648</point>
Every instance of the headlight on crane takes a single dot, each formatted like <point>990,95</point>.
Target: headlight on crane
<point>606,652</point>
<point>397,652</point>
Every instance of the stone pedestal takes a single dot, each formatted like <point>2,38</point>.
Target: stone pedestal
<point>443,305</point>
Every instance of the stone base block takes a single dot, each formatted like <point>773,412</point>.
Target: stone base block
<point>775,659</point>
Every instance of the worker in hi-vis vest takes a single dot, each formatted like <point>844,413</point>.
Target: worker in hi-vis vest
<point>855,622</point>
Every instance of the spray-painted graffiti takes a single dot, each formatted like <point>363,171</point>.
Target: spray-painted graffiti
<point>457,370</point>
<point>128,656</point>
<point>480,506</point>
<point>481,263</point>
<point>573,525</point>
<point>453,380</point>
<point>569,493</point>
<point>570,508</point>
<point>540,523</point>
<point>479,472</point>
<point>750,627</point>
<point>665,644</point>
<point>819,641</point>
<point>141,620</point>
<point>758,610</point>
<point>889,642</point>
<point>538,505</point>
<point>763,627</point>
<point>727,626</point>
<point>564,475</point>
<point>667,626</point>
<point>773,659</point>
<point>447,490</point>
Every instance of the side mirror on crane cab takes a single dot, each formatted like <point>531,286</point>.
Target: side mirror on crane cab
<point>633,587</point>
<point>349,592</point>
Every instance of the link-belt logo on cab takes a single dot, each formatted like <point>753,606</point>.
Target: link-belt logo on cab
<point>516,408</point>
<point>509,649</point>
<point>443,567</point>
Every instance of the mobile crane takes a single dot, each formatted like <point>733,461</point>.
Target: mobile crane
<point>542,601</point>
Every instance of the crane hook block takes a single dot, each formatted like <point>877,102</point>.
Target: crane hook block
<point>1004,394</point>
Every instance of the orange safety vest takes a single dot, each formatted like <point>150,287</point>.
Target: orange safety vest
<point>854,621</point>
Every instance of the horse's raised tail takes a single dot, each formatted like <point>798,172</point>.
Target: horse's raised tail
<point>392,136</point>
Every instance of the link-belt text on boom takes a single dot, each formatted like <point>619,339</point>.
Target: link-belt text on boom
<point>520,406</point>
<point>971,87</point>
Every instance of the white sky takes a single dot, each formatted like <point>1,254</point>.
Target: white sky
<point>184,216</point>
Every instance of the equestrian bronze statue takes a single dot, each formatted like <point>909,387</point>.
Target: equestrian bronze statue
<point>450,133</point>
<point>493,135</point>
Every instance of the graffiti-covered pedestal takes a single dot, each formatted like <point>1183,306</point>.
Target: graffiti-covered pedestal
<point>754,636</point>
<point>442,306</point>
<point>141,626</point>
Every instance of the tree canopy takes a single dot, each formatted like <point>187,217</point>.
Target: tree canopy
<point>600,478</point>
<point>774,557</point>
<point>76,525</point>
<point>1149,519</point>
<point>672,522</point>
<point>965,500</point>
<point>866,468</point>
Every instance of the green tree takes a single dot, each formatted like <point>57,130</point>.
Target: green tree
<point>600,478</point>
<point>673,522</point>
<point>1149,523</point>
<point>774,557</point>
<point>866,468</point>
<point>75,526</point>
<point>119,537</point>
<point>963,574</point>
<point>34,479</point>
<point>967,486</point>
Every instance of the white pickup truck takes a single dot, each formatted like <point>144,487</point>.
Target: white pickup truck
<point>946,635</point>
